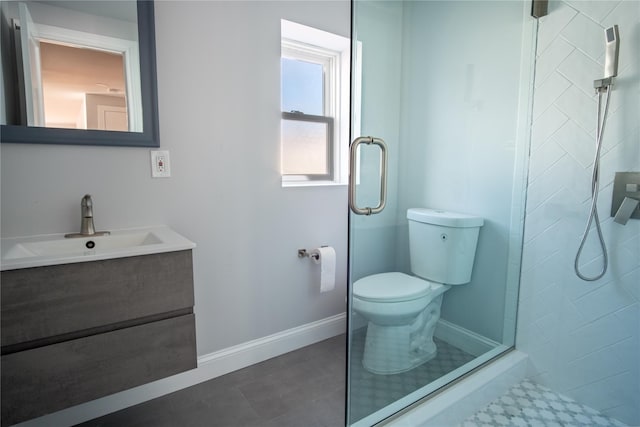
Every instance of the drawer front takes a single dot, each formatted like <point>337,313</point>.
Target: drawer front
<point>47,379</point>
<point>75,297</point>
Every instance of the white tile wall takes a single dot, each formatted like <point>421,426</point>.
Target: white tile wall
<point>582,337</point>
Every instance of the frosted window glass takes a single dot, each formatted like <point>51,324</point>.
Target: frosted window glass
<point>302,86</point>
<point>304,148</point>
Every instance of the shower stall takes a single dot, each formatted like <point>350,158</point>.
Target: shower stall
<point>479,114</point>
<point>446,86</point>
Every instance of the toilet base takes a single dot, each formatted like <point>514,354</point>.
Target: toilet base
<point>395,349</point>
<point>385,350</point>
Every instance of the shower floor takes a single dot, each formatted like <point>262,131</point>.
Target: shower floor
<point>371,392</point>
<point>530,404</point>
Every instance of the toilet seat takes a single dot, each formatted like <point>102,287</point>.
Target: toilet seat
<point>391,287</point>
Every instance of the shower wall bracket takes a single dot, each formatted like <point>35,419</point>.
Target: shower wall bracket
<point>626,185</point>
<point>602,85</point>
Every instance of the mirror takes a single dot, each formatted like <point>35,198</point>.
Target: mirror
<point>79,72</point>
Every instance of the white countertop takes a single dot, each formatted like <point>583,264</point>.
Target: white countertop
<point>53,249</point>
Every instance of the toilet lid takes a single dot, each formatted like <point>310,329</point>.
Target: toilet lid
<point>390,287</point>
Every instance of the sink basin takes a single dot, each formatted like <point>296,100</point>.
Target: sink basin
<point>52,249</point>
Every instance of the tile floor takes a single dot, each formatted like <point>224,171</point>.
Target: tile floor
<point>372,392</point>
<point>530,404</point>
<point>304,388</point>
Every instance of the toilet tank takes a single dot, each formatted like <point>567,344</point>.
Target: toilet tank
<point>442,245</point>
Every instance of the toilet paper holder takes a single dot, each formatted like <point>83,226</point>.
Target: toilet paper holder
<point>303,253</point>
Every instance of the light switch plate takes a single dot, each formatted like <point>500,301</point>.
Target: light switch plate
<point>160,164</point>
<point>623,182</point>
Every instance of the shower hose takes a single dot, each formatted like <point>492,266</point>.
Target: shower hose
<point>595,184</point>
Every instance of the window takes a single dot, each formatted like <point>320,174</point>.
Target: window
<point>315,106</point>
<point>307,146</point>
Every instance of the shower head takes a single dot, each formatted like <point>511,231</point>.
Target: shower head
<point>612,47</point>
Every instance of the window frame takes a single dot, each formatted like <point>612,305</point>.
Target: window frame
<point>300,51</point>
<point>299,42</point>
<point>297,116</point>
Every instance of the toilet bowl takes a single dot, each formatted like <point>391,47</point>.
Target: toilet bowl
<point>403,310</point>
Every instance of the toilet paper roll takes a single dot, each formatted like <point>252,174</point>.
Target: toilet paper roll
<point>327,260</point>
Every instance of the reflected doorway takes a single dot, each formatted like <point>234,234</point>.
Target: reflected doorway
<point>83,88</point>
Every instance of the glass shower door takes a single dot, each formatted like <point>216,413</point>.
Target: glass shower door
<point>441,112</point>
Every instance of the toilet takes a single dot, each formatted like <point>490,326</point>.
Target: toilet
<point>402,310</point>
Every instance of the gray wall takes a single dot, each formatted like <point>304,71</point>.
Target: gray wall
<point>112,20</point>
<point>219,106</point>
<point>461,74</point>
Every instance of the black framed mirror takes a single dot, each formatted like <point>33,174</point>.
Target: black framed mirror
<point>144,132</point>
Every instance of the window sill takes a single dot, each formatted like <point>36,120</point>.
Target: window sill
<point>287,184</point>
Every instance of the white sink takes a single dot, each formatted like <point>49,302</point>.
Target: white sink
<point>52,249</point>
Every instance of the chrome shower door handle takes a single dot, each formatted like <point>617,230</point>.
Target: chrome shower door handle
<point>352,175</point>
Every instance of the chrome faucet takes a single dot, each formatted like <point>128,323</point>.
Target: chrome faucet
<point>86,227</point>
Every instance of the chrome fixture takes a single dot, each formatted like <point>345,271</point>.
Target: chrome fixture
<point>626,210</point>
<point>612,49</point>
<point>86,227</point>
<point>539,8</point>
<point>625,199</point>
<point>303,253</point>
<point>603,85</point>
<point>352,175</point>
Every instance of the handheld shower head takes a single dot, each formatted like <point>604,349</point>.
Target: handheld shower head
<point>612,48</point>
<point>603,85</point>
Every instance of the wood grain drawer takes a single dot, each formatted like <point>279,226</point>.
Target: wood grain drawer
<point>46,379</point>
<point>44,302</point>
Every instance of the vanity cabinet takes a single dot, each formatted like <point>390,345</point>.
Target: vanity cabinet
<point>76,332</point>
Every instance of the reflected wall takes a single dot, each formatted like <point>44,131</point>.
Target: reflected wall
<point>72,65</point>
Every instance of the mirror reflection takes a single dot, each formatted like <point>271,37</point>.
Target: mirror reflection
<point>77,65</point>
<point>82,88</point>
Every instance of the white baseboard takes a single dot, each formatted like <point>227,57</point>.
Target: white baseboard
<point>210,366</point>
<point>466,340</point>
<point>246,354</point>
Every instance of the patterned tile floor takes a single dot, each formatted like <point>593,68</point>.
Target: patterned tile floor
<point>530,404</point>
<point>371,392</point>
